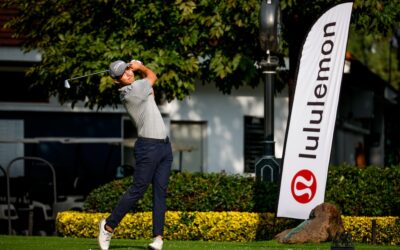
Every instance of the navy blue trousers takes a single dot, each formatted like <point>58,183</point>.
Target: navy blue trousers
<point>153,165</point>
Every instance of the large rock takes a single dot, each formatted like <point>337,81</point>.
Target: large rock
<point>323,224</point>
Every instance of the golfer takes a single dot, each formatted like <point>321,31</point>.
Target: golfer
<point>152,150</point>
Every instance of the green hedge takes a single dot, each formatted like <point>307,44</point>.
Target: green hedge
<point>194,192</point>
<point>372,191</point>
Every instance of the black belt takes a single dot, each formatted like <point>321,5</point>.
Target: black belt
<point>166,140</point>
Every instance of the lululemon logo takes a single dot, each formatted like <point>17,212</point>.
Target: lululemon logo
<point>304,186</point>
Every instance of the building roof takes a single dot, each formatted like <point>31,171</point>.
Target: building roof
<point>6,38</point>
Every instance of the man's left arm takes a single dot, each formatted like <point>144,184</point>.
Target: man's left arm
<point>147,73</point>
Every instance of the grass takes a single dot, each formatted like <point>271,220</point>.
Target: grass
<point>60,243</point>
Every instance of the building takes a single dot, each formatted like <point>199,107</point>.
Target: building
<point>210,131</point>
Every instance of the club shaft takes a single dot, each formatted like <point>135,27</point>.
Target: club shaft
<point>78,77</point>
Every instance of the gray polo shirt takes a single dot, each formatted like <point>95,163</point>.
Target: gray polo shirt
<point>138,100</point>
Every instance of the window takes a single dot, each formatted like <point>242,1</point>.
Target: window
<point>11,130</point>
<point>17,87</point>
<point>189,145</point>
<point>253,148</point>
<point>129,134</point>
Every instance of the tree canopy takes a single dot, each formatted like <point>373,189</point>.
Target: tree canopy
<point>181,40</point>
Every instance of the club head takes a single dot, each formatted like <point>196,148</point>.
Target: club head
<point>66,84</point>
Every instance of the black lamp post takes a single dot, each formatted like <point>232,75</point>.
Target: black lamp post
<point>267,168</point>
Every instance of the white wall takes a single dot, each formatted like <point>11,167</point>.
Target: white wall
<point>224,115</point>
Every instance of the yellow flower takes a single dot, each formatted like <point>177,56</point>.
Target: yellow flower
<point>216,226</point>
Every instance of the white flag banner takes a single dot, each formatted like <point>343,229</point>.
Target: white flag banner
<point>312,120</point>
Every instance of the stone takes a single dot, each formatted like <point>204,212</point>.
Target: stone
<point>324,223</point>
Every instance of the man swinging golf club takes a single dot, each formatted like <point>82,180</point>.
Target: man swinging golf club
<point>152,150</point>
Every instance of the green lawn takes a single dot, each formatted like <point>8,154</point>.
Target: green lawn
<point>59,243</point>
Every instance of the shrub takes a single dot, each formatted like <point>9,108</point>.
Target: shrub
<point>194,192</point>
<point>213,226</point>
<point>372,191</point>
<point>387,229</point>
<point>218,226</point>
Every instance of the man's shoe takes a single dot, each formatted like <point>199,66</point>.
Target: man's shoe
<point>156,244</point>
<point>104,237</point>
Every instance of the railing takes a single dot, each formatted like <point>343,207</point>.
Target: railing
<point>8,183</point>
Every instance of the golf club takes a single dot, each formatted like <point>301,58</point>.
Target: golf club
<point>66,82</point>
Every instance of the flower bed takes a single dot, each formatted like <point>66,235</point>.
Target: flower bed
<point>219,226</point>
